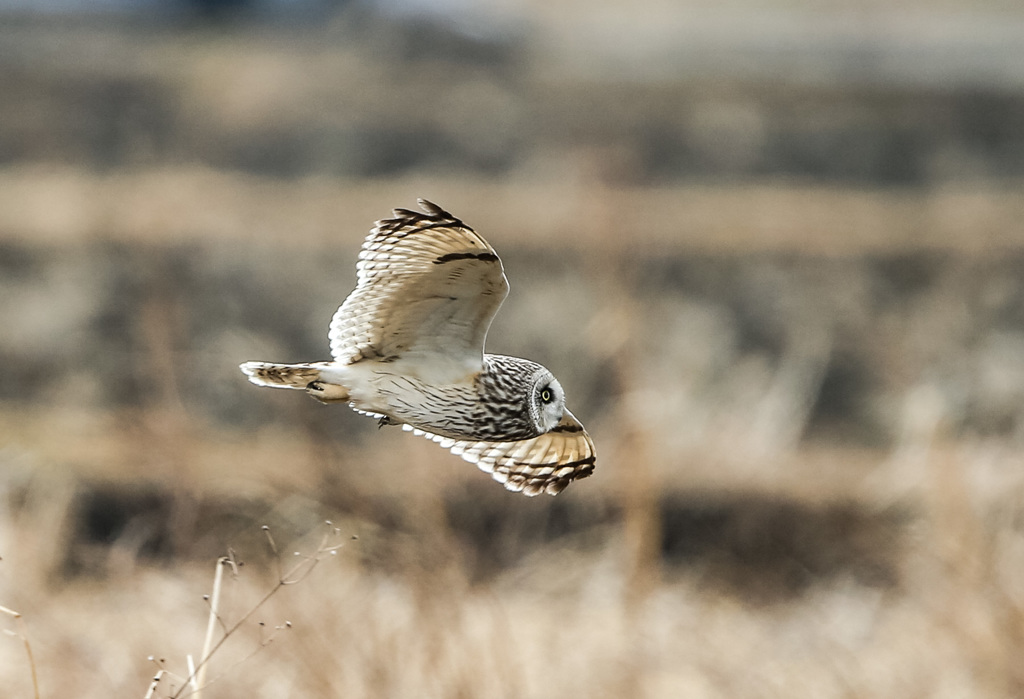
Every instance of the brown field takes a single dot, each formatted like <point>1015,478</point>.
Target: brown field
<point>806,389</point>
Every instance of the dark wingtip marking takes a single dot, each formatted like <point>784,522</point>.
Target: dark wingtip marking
<point>585,466</point>
<point>432,216</point>
<point>453,256</point>
<point>431,208</point>
<point>567,428</point>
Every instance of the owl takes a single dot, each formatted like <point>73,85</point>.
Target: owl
<point>408,348</point>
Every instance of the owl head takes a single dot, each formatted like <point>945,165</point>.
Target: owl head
<point>546,400</point>
<point>519,399</point>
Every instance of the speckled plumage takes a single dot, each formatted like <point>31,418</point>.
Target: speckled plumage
<point>408,347</point>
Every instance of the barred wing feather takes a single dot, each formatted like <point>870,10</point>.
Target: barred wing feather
<point>427,284</point>
<point>547,463</point>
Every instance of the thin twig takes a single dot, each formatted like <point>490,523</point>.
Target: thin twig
<point>294,575</point>
<point>264,642</point>
<point>198,675</point>
<point>273,549</point>
<point>153,685</point>
<point>190,665</point>
<point>23,635</point>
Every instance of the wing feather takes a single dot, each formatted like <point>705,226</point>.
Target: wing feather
<point>427,283</point>
<point>544,464</point>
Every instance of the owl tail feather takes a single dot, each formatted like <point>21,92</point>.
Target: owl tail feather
<point>305,377</point>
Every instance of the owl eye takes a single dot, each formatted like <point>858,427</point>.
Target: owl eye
<point>546,395</point>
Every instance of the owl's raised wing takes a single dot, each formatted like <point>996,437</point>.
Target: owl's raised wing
<point>427,284</point>
<point>544,464</point>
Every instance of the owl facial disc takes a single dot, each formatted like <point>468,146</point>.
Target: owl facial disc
<point>547,401</point>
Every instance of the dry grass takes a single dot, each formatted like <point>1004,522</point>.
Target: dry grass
<point>719,551</point>
<point>598,612</point>
<point>806,398</point>
<point>61,205</point>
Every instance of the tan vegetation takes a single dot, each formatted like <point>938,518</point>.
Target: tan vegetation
<point>807,390</point>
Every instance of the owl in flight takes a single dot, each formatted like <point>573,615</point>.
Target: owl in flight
<point>408,348</point>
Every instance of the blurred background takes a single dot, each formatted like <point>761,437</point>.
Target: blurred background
<point>773,251</point>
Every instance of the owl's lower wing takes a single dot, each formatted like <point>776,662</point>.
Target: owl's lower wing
<point>547,463</point>
<point>427,284</point>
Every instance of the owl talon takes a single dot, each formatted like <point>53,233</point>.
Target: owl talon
<point>327,392</point>
<point>385,421</point>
